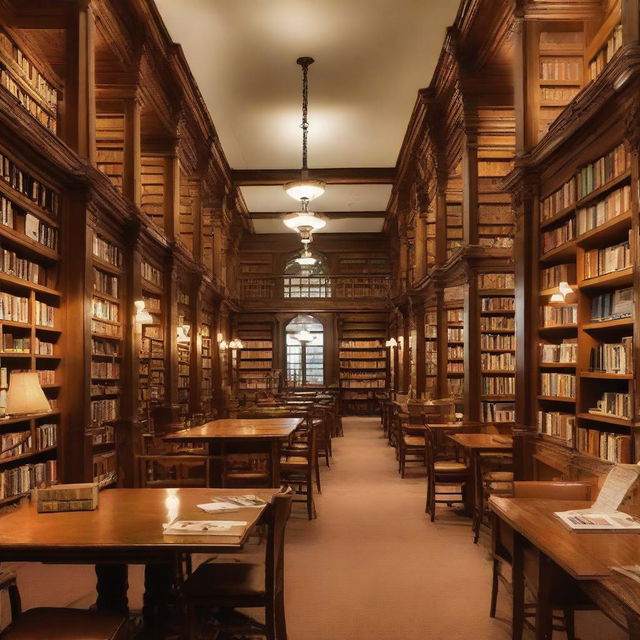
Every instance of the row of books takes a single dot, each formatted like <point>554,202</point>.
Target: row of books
<point>363,384</point>
<point>110,388</point>
<point>40,232</point>
<point>183,298</point>
<point>13,265</point>
<point>498,385</point>
<point>106,251</point>
<point>104,329</point>
<point>608,446</point>
<point>15,344</point>
<point>362,375</point>
<point>251,355</point>
<point>255,364</point>
<point>46,436</point>
<point>496,242</point>
<point>104,468</point>
<point>151,274</point>
<point>456,387</point>
<point>559,235</point>
<point>615,404</point>
<point>6,212</point>
<point>498,412</point>
<point>561,385</point>
<point>493,323</point>
<point>105,310</point>
<point>598,262</point>
<point>367,355</point>
<point>564,197</point>
<point>455,315</point>
<point>612,305</point>
<point>35,108</point>
<point>152,304</point>
<point>497,341</point>
<point>15,444</point>
<point>363,364</point>
<point>565,352</point>
<point>614,204</point>
<point>46,376</point>
<point>30,73</point>
<point>455,353</point>
<point>352,344</point>
<point>104,282</point>
<point>557,424</point>
<point>455,334</point>
<point>502,303</point>
<point>21,480</point>
<point>107,369</point>
<point>561,68</point>
<point>104,410</point>
<point>613,358</point>
<point>103,435</point>
<point>455,367</point>
<point>14,308</point>
<point>604,169</point>
<point>560,96</point>
<point>561,315</point>
<point>553,276</point>
<point>498,361</point>
<point>28,186</point>
<point>44,314</point>
<point>606,53</point>
<point>496,281</point>
<point>104,348</point>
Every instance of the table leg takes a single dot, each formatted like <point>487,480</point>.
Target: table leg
<point>275,462</point>
<point>215,450</point>
<point>158,582</point>
<point>544,609</point>
<point>517,580</point>
<point>112,583</point>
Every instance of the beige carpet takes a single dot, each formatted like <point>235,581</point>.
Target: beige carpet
<point>371,567</point>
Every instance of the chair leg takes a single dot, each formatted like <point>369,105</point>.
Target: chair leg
<point>494,588</point>
<point>269,622</point>
<point>570,624</point>
<point>279,618</point>
<point>432,500</point>
<point>310,505</point>
<point>318,478</point>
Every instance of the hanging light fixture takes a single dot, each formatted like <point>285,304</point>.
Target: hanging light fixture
<point>305,222</point>
<point>305,189</point>
<point>304,336</point>
<point>306,258</point>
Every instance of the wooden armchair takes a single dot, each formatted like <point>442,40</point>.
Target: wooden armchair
<point>177,470</point>
<point>67,623</point>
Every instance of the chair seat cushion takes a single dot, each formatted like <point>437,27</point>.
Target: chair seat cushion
<point>66,624</point>
<point>225,579</point>
<point>450,465</point>
<point>414,441</point>
<point>498,476</point>
<point>293,460</point>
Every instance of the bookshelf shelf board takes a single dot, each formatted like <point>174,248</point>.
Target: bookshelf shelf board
<point>26,284</point>
<point>559,83</point>
<point>26,418</point>
<point>17,325</point>
<point>455,374</point>
<point>558,327</point>
<point>24,456</point>
<point>484,293</point>
<point>106,266</point>
<point>621,323</point>
<point>559,215</point>
<point>26,203</point>
<point>597,193</point>
<point>567,444</point>
<point>552,290</point>
<point>39,327</point>
<point>564,251</point>
<point>501,331</point>
<point>105,296</point>
<point>621,278</point>
<point>606,376</point>
<point>497,350</point>
<point>498,312</point>
<point>104,336</point>
<point>151,287</point>
<point>50,386</point>
<point>361,348</point>
<point>34,248</point>
<point>558,365</point>
<point>557,399</point>
<point>603,417</point>
<point>455,341</point>
<point>498,372</point>
<point>13,354</point>
<point>504,397</point>
<point>12,499</point>
<point>47,357</point>
<point>606,232</point>
<point>113,323</point>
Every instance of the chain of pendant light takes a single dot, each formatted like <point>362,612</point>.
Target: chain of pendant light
<point>304,63</point>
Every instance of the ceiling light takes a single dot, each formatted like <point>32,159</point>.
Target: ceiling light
<point>304,336</point>
<point>305,189</point>
<point>236,344</point>
<point>304,222</point>
<point>306,258</point>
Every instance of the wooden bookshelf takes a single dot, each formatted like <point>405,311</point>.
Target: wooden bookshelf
<point>255,362</point>
<point>184,329</point>
<point>431,350</point>
<point>455,335</point>
<point>207,344</point>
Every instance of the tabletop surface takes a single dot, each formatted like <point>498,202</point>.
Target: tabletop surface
<point>585,555</point>
<point>239,428</point>
<point>126,519</point>
<point>483,440</point>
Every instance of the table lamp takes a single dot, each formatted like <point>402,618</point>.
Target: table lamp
<point>25,395</point>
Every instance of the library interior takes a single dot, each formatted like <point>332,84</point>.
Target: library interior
<point>317,319</point>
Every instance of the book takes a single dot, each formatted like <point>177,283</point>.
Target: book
<point>231,528</point>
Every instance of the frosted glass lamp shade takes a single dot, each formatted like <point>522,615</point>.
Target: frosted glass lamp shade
<point>304,336</point>
<point>25,395</point>
<point>304,189</point>
<point>310,221</point>
<point>391,342</point>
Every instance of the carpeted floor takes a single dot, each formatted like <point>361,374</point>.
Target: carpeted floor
<point>371,567</point>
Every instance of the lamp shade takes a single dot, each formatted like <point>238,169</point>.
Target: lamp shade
<point>304,336</point>
<point>391,342</point>
<point>305,220</point>
<point>304,189</point>
<point>25,395</point>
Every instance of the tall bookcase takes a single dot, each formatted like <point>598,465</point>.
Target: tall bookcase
<point>254,366</point>
<point>363,361</point>
<point>454,309</point>
<point>207,345</point>
<point>431,350</point>
<point>184,337</point>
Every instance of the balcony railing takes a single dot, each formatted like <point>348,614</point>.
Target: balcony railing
<point>319,287</point>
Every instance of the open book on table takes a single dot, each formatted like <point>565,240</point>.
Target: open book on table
<point>230,528</point>
<point>603,515</point>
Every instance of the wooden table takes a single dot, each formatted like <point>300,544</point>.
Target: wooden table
<point>475,444</point>
<point>586,557</point>
<point>263,434</point>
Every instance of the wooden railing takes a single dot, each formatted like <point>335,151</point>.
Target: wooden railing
<point>319,287</point>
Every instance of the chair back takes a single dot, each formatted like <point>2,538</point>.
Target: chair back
<point>277,515</point>
<point>552,490</point>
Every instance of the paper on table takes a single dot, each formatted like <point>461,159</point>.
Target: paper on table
<point>615,488</point>
<point>217,507</point>
<point>205,528</point>
<point>247,500</point>
<point>631,571</point>
<point>590,521</point>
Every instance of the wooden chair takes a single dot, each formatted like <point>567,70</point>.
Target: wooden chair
<point>49,623</point>
<point>443,468</point>
<point>565,596</point>
<point>168,471</point>
<point>321,420</point>
<point>245,585</point>
<point>410,445</point>
<point>298,464</point>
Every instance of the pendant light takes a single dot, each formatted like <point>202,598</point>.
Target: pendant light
<point>306,258</point>
<point>305,189</point>
<point>304,336</point>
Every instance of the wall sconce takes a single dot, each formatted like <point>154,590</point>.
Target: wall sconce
<point>565,289</point>
<point>556,298</point>
<point>391,342</point>
<point>183,333</point>
<point>235,344</point>
<point>223,345</point>
<point>142,315</point>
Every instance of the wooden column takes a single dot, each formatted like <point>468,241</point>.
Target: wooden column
<point>441,219</point>
<point>131,180</point>
<point>406,354</point>
<point>79,124</point>
<point>171,341</point>
<point>470,182</point>
<point>442,389</point>
<point>472,379</point>
<point>196,295</point>
<point>172,224</point>
<point>419,355</point>
<point>420,250</point>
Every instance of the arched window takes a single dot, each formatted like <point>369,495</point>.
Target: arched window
<point>305,351</point>
<point>307,281</point>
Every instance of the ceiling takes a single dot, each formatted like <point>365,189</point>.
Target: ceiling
<point>371,56</point>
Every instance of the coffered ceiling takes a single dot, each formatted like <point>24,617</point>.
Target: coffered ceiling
<point>371,56</point>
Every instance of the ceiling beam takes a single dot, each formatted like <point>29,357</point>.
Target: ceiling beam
<point>331,215</point>
<point>355,175</point>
